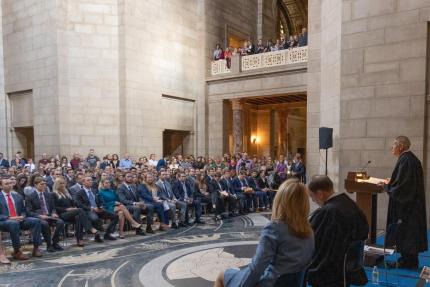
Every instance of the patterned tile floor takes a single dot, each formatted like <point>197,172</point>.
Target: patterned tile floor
<point>190,256</point>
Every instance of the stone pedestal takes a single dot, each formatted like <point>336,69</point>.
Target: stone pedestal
<point>237,126</point>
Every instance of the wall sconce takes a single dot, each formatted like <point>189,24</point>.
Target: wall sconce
<point>255,139</point>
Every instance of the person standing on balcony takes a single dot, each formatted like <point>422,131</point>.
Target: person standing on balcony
<point>303,38</point>
<point>260,47</point>
<point>218,53</point>
<point>227,56</point>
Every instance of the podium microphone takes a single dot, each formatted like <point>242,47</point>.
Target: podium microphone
<point>366,166</point>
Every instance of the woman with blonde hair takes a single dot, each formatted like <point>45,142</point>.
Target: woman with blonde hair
<point>286,244</point>
<point>69,212</point>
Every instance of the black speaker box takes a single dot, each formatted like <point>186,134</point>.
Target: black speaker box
<point>326,138</point>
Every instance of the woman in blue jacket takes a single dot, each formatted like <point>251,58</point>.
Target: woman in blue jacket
<point>111,203</point>
<point>286,244</point>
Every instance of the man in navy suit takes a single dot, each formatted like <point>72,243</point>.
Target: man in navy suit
<point>185,193</point>
<point>127,195</point>
<point>40,204</point>
<point>13,219</point>
<point>145,193</point>
<point>246,199</point>
<point>227,185</point>
<point>90,203</point>
<point>169,198</point>
<point>298,168</point>
<point>4,163</point>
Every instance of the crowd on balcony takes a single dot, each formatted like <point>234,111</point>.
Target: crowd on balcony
<point>249,48</point>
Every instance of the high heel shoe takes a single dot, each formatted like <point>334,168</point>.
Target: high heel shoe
<point>137,226</point>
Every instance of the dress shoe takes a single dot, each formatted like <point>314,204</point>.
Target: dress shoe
<point>189,224</point>
<point>50,249</point>
<point>199,221</point>
<point>149,230</point>
<point>175,226</point>
<point>81,244</point>
<point>140,232</point>
<point>57,247</point>
<point>36,252</point>
<point>109,236</point>
<point>98,239</point>
<point>18,255</point>
<point>3,259</point>
<point>163,227</point>
<point>181,224</point>
<point>231,214</point>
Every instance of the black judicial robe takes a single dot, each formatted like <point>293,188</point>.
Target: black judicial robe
<point>407,206</point>
<point>337,224</point>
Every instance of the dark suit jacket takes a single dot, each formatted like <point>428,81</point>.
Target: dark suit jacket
<point>227,185</point>
<point>32,204</point>
<point>166,194</point>
<point>4,163</point>
<point>178,190</point>
<point>144,193</point>
<point>125,196</point>
<point>82,200</point>
<point>213,186</point>
<point>19,206</point>
<point>238,186</point>
<point>61,204</point>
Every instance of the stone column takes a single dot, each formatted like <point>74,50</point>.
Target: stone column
<point>237,126</point>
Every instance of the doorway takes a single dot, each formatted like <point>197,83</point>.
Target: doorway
<point>175,142</point>
<point>25,141</point>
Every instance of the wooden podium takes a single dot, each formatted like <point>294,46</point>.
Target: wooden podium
<point>367,197</point>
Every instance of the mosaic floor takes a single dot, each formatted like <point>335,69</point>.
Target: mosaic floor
<point>190,256</point>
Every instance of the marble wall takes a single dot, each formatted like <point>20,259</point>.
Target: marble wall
<point>367,80</point>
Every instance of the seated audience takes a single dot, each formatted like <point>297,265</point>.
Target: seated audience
<point>148,191</point>
<point>128,196</point>
<point>111,203</point>
<point>170,201</point>
<point>13,219</point>
<point>40,204</point>
<point>338,225</point>
<point>69,212</point>
<point>90,203</point>
<point>186,193</point>
<point>286,244</point>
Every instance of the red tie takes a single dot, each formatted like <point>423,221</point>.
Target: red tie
<point>12,211</point>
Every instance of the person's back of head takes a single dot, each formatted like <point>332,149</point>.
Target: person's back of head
<point>291,206</point>
<point>321,188</point>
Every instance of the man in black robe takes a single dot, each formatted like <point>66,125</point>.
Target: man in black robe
<point>340,228</point>
<point>406,219</point>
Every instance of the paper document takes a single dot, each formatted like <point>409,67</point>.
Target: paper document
<point>378,250</point>
<point>372,180</point>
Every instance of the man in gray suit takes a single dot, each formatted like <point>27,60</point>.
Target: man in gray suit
<point>73,190</point>
<point>169,198</point>
<point>128,196</point>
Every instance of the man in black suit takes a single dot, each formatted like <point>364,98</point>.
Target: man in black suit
<point>13,219</point>
<point>216,193</point>
<point>88,201</point>
<point>227,185</point>
<point>40,204</point>
<point>127,195</point>
<point>4,163</point>
<point>185,193</point>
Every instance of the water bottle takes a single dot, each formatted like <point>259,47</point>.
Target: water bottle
<point>375,276</point>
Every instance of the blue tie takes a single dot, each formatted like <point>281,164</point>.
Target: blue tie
<point>92,199</point>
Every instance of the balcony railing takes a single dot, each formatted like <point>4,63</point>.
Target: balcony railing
<point>263,60</point>
<point>220,67</point>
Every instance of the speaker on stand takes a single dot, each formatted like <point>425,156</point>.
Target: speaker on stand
<point>325,141</point>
